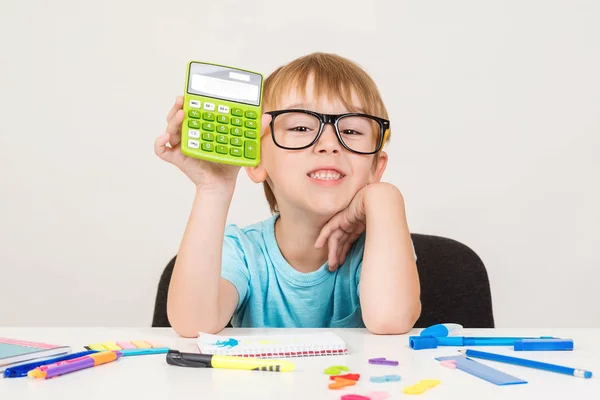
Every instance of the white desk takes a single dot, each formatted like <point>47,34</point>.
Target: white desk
<point>150,377</point>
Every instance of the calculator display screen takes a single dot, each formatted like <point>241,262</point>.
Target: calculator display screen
<point>225,83</point>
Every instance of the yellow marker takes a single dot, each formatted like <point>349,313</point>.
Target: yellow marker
<point>97,347</point>
<point>247,363</point>
<point>140,344</point>
<point>111,346</point>
<point>175,357</point>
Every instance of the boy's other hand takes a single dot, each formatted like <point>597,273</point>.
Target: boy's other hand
<point>202,173</point>
<point>342,230</point>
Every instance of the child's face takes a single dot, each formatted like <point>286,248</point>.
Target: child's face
<point>323,178</point>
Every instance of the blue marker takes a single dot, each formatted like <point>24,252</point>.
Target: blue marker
<point>580,373</point>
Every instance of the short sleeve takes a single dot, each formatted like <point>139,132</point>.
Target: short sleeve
<point>234,267</point>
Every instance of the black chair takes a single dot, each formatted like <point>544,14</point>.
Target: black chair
<point>454,285</point>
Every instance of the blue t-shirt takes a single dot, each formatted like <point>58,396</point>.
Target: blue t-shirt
<point>273,294</point>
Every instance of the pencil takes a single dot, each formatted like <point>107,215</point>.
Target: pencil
<point>580,373</point>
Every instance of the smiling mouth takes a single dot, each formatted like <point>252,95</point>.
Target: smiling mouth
<point>326,175</point>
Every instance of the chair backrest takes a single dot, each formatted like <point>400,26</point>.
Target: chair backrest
<point>454,285</point>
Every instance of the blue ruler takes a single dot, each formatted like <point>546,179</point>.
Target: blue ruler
<point>483,371</point>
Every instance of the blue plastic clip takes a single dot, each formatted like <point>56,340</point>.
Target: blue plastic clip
<point>385,378</point>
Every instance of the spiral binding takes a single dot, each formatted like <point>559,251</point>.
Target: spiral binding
<point>304,350</point>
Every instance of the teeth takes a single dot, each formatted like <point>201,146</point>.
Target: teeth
<point>326,176</point>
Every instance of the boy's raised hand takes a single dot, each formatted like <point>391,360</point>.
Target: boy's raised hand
<point>342,230</point>
<point>201,172</point>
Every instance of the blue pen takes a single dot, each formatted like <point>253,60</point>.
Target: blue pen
<point>22,370</point>
<point>580,373</point>
<point>430,342</point>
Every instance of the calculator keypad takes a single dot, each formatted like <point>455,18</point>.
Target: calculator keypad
<point>223,130</point>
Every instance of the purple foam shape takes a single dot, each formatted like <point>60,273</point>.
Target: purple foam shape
<point>383,361</point>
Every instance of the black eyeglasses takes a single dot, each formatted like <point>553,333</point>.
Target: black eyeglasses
<point>297,129</point>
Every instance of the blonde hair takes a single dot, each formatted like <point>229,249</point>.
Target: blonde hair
<point>333,76</point>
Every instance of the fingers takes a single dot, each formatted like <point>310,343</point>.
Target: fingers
<point>161,149</point>
<point>174,128</point>
<point>332,259</point>
<point>325,233</point>
<point>344,252</point>
<point>177,106</point>
<point>335,242</point>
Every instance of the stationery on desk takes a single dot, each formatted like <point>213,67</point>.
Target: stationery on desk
<point>194,360</point>
<point>580,373</point>
<point>273,346</point>
<point>22,370</point>
<point>76,364</point>
<point>14,352</point>
<point>130,348</point>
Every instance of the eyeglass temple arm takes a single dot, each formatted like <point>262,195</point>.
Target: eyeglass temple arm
<point>385,136</point>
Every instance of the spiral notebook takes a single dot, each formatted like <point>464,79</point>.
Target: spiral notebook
<point>273,346</point>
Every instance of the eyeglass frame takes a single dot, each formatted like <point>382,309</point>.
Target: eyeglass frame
<point>332,119</point>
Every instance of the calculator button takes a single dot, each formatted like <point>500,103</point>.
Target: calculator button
<point>236,142</point>
<point>192,123</point>
<point>193,133</point>
<point>251,124</point>
<point>221,149</point>
<point>194,104</point>
<point>237,112</point>
<point>250,134</point>
<point>224,119</point>
<point>236,131</point>
<point>208,136</point>
<point>194,114</point>
<point>208,126</point>
<point>209,106</point>
<point>223,109</point>
<point>222,128</point>
<point>236,121</point>
<point>207,146</point>
<point>235,152</point>
<point>249,149</point>
<point>193,144</point>
<point>222,139</point>
<point>251,114</point>
<point>208,116</point>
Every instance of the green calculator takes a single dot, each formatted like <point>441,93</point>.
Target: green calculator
<point>222,108</point>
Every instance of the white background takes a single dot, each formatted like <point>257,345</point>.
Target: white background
<point>495,109</point>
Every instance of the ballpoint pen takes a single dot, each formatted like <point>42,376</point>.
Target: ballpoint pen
<point>22,370</point>
<point>580,373</point>
<point>175,357</point>
<point>431,342</point>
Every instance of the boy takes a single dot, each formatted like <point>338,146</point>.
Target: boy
<point>337,250</point>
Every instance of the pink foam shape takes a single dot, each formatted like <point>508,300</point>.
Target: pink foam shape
<point>378,395</point>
